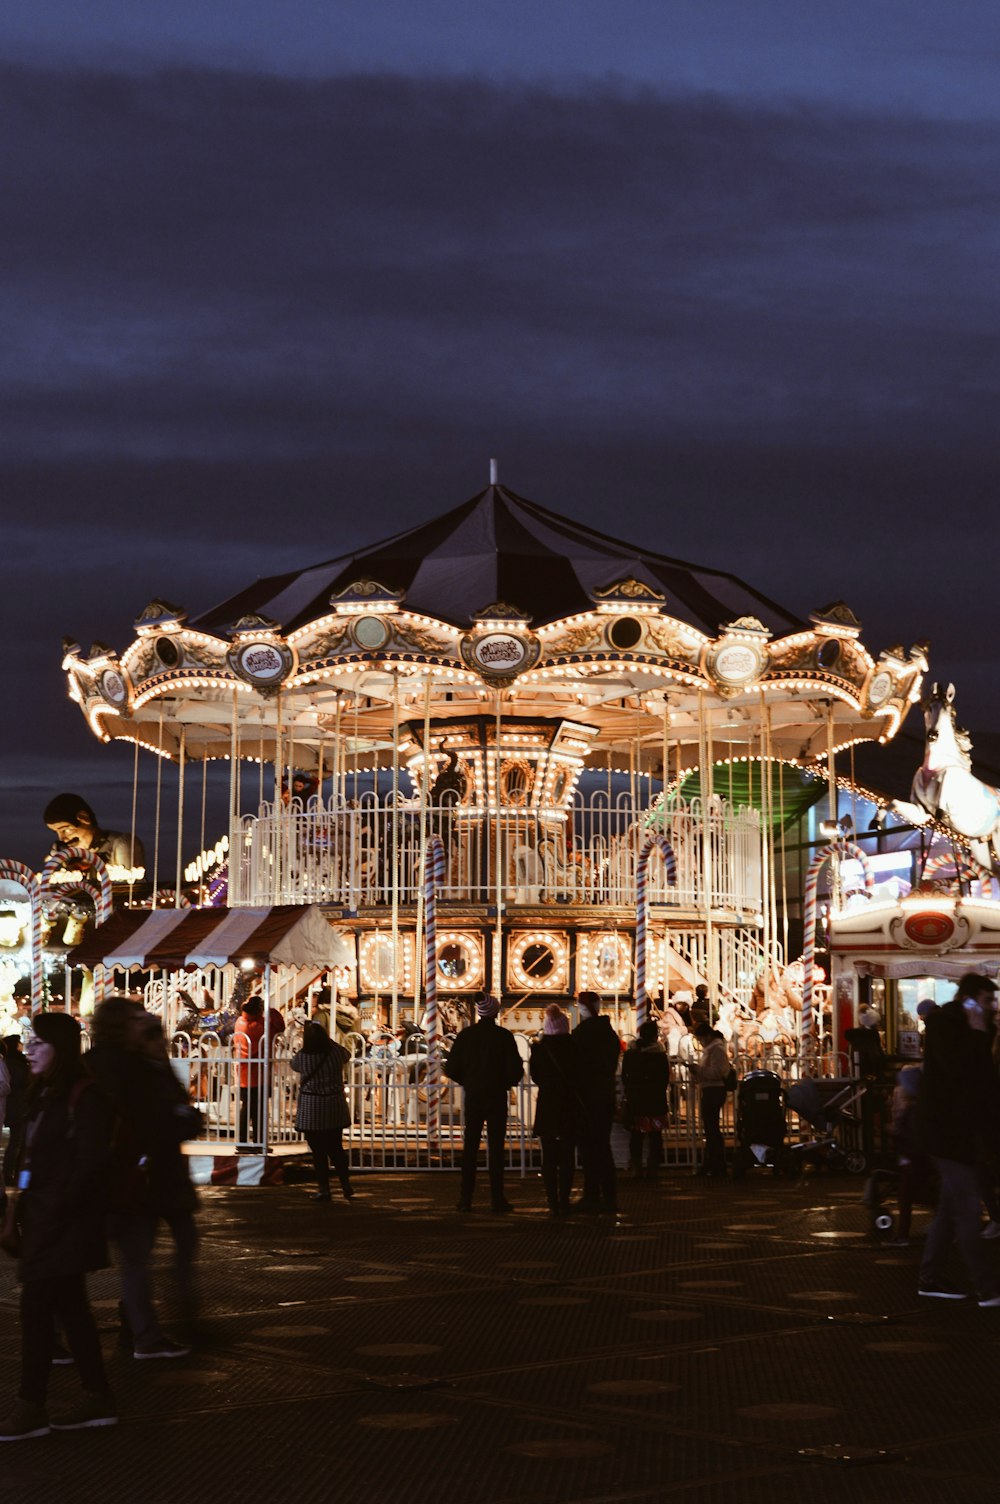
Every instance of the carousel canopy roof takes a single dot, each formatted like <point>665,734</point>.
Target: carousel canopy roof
<point>500,547</point>
<point>498,607</point>
<point>283,935</point>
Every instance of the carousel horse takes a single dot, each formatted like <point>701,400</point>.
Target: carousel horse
<point>781,990</point>
<point>946,789</point>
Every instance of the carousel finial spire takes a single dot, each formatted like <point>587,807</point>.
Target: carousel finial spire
<point>494,473</point>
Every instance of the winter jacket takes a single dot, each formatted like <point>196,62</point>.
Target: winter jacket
<point>153,1118</point>
<point>597,1048</point>
<point>248,1045</point>
<point>484,1059</point>
<point>958,1110</point>
<point>62,1209</point>
<point>321,1103</point>
<point>553,1067</point>
<point>714,1065</point>
<point>645,1079</point>
<point>20,1079</point>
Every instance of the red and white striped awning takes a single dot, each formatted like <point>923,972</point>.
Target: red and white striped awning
<point>169,939</point>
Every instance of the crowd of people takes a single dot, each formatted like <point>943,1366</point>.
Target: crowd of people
<point>94,1159</point>
<point>587,1080</point>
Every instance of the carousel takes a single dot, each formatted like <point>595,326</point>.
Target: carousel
<point>504,751</point>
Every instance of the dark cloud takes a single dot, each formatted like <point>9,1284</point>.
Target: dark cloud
<point>251,321</point>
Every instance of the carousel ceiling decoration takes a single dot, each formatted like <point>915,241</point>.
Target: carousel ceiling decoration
<point>498,607</point>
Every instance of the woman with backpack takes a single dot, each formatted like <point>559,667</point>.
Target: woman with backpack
<point>58,1231</point>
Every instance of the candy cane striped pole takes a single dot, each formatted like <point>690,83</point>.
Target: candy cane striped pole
<point>838,849</point>
<point>17,872</point>
<point>434,874</point>
<point>665,849</point>
<point>965,869</point>
<point>93,867</point>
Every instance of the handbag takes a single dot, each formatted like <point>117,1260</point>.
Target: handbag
<point>732,1080</point>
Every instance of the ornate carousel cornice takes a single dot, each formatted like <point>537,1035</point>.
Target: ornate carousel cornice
<point>627,643</point>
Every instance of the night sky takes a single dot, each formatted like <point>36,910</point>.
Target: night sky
<point>279,277</point>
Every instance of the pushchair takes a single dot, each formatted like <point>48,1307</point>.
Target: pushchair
<point>826,1114</point>
<point>760,1124</point>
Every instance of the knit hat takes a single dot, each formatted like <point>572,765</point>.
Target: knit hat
<point>488,1006</point>
<point>589,1002</point>
<point>556,1021</point>
<point>925,1007</point>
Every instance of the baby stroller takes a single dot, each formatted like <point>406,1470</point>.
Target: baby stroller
<point>825,1114</point>
<point>760,1124</point>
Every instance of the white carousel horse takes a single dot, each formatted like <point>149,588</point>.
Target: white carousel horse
<point>946,789</point>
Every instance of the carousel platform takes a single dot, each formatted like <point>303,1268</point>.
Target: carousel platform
<point>733,1343</point>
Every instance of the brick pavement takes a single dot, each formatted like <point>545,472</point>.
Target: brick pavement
<point>719,1343</point>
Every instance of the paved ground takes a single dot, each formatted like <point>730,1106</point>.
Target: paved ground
<point>720,1343</point>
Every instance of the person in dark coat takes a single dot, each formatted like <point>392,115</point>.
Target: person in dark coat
<point>149,1180</point>
<point>60,1212</point>
<point>645,1082</point>
<point>486,1063</point>
<point>958,1123</point>
<point>17,1106</point>
<point>553,1066</point>
<point>597,1050</point>
<point>321,1112</point>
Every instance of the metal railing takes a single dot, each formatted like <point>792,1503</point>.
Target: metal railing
<point>369,852</point>
<point>388,1095</point>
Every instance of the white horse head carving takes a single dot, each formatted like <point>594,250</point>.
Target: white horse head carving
<point>944,787</point>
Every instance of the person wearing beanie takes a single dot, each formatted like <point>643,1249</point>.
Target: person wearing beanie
<point>597,1049</point>
<point>711,1071</point>
<point>645,1081</point>
<point>486,1063</point>
<point>552,1070</point>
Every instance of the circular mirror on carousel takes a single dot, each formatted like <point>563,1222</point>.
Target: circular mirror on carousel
<point>383,964</point>
<point>459,962</point>
<point>609,963</point>
<point>539,963</point>
<point>624,633</point>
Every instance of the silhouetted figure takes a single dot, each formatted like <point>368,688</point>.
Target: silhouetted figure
<point>553,1070</point>
<point>486,1063</point>
<point>321,1112</point>
<point>597,1049</point>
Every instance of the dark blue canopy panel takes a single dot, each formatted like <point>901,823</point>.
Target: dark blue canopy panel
<point>500,547</point>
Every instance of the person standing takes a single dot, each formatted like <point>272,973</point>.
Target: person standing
<point>486,1063</point>
<point>321,1112</point>
<point>958,1123</point>
<point>248,1046</point>
<point>17,1106</point>
<point>646,1081</point>
<point>149,1177</point>
<point>597,1049</point>
<point>552,1067</point>
<point>711,1071</point>
<point>60,1212</point>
